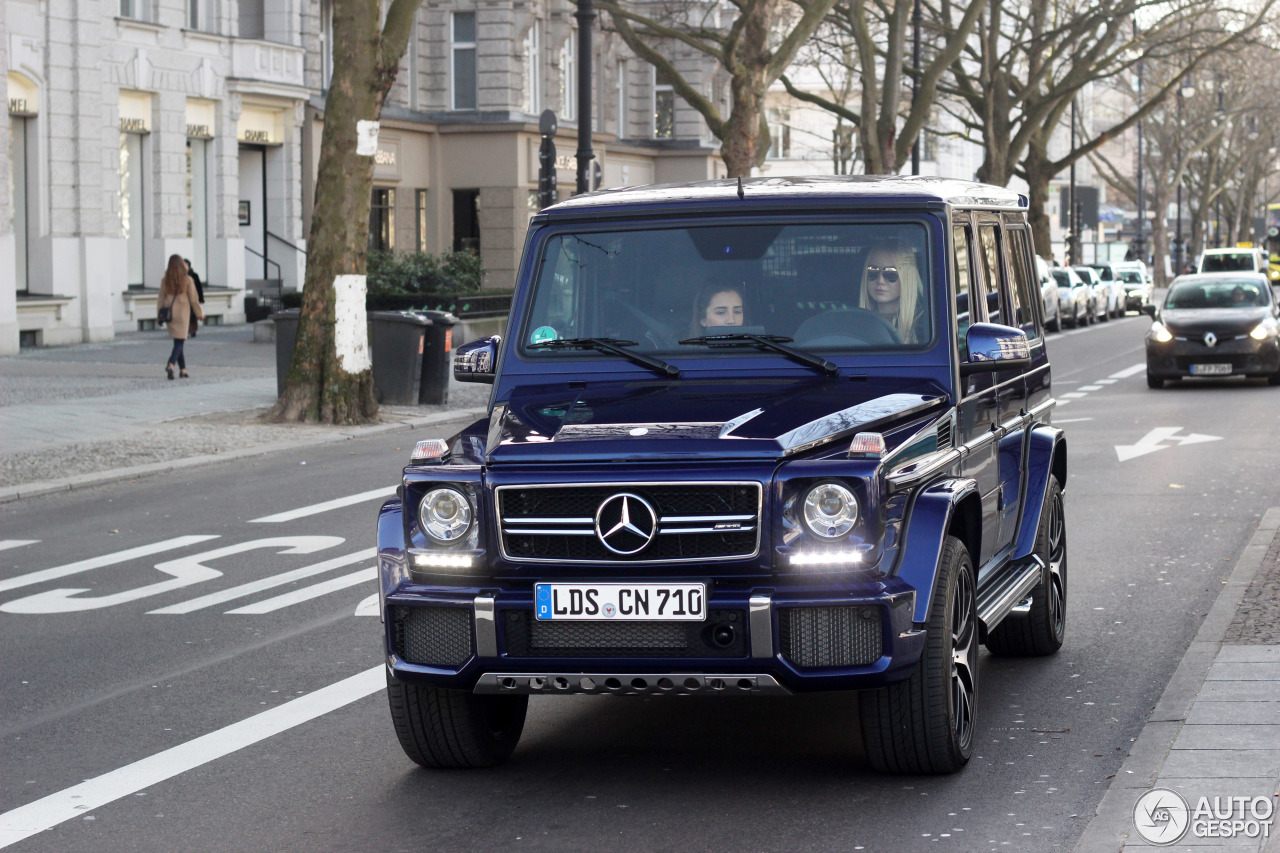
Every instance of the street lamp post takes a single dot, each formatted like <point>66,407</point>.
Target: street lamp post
<point>586,16</point>
<point>1073,236</point>
<point>1140,244</point>
<point>915,82</point>
<point>1186,90</point>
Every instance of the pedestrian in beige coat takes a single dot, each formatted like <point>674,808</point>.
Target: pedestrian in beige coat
<point>178,292</point>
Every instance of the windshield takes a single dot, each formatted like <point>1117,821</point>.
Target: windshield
<point>1228,262</point>
<point>826,285</point>
<point>1131,276</point>
<point>1218,294</point>
<point>1064,280</point>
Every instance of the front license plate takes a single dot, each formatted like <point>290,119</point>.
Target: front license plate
<point>627,602</point>
<point>1211,370</point>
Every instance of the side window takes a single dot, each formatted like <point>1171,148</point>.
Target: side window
<point>964,275</point>
<point>1025,291</point>
<point>989,252</point>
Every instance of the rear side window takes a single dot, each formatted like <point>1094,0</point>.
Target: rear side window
<point>1023,293</point>
<point>964,277</point>
<point>989,252</point>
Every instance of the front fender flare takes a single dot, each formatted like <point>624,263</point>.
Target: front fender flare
<point>928,523</point>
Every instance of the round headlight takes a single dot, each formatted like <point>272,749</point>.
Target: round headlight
<point>830,510</point>
<point>445,515</point>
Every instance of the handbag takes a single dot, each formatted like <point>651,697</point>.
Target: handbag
<point>165,314</point>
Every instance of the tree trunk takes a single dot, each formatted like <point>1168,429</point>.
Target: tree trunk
<point>324,384</point>
<point>1159,232</point>
<point>1039,173</point>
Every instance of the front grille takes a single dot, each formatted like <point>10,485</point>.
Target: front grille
<point>527,637</point>
<point>831,636</point>
<point>432,636</point>
<point>695,521</point>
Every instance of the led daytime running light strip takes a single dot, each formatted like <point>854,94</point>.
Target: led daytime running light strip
<point>829,558</point>
<point>443,561</point>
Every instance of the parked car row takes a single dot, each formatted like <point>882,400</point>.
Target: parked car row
<point>1084,294</point>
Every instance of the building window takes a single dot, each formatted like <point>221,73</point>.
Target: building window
<point>195,8</point>
<point>466,221</point>
<point>779,135</point>
<point>464,60</point>
<point>664,107</point>
<point>253,19</point>
<point>326,43</point>
<point>620,94</point>
<point>136,9</point>
<point>420,218</point>
<point>532,67</point>
<point>569,77</point>
<point>382,219</point>
<point>198,202</point>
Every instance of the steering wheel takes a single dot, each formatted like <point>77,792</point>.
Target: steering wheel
<point>844,326</point>
<point>639,325</point>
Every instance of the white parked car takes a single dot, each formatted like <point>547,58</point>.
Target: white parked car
<point>1050,296</point>
<point>1101,304</point>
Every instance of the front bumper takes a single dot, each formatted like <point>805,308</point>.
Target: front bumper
<point>1247,357</point>
<point>770,642</point>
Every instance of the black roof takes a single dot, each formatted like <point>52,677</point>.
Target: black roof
<point>891,189</point>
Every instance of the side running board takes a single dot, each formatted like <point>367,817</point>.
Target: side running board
<point>1008,588</point>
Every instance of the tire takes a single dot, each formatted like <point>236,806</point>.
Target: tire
<point>1042,630</point>
<point>1153,382</point>
<point>1273,379</point>
<point>453,728</point>
<point>927,723</point>
<point>1056,325</point>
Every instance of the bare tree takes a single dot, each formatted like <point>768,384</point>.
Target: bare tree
<point>874,35</point>
<point>1021,75</point>
<point>753,48</point>
<point>326,382</point>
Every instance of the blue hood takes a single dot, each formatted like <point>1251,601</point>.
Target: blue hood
<point>738,419</point>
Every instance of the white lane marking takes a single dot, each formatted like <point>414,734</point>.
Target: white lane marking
<point>185,571</point>
<point>368,607</point>
<point>316,509</point>
<point>266,583</point>
<point>1072,395</point>
<point>1090,387</point>
<point>1153,441</point>
<point>76,801</point>
<point>315,591</point>
<point>6,544</point>
<point>99,562</point>
<point>1057,421</point>
<point>1105,381</point>
<point>1130,371</point>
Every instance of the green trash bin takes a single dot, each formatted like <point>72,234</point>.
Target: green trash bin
<point>397,339</point>
<point>437,362</point>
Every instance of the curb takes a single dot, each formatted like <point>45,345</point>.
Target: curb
<point>45,487</point>
<point>1112,825</point>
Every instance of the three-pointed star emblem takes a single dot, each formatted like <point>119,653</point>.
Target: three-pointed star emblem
<point>626,523</point>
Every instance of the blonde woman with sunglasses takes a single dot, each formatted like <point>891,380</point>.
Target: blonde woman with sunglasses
<point>891,288</point>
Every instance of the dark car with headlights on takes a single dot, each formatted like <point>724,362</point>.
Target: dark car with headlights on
<point>1215,324</point>
<point>754,438</point>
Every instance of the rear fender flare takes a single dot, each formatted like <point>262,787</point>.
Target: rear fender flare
<point>1046,455</point>
<point>931,519</point>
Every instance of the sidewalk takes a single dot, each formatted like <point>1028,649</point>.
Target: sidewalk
<point>78,415</point>
<point>1215,732</point>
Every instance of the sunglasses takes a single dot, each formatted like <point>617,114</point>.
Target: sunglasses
<point>889,274</point>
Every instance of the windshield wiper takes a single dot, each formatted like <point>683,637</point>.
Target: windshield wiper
<point>769,342</point>
<point>611,345</point>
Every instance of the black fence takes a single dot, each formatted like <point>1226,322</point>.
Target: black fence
<point>463,305</point>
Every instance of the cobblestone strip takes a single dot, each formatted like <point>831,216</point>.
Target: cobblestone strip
<point>1257,622</point>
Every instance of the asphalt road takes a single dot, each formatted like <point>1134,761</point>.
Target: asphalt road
<point>249,716</point>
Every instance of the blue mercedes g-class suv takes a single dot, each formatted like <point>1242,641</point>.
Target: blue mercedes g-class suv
<point>745,439</point>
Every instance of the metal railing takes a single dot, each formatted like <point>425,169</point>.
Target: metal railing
<point>265,261</point>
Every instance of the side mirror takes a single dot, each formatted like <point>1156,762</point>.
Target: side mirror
<point>1149,310</point>
<point>477,361</point>
<point>993,347</point>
